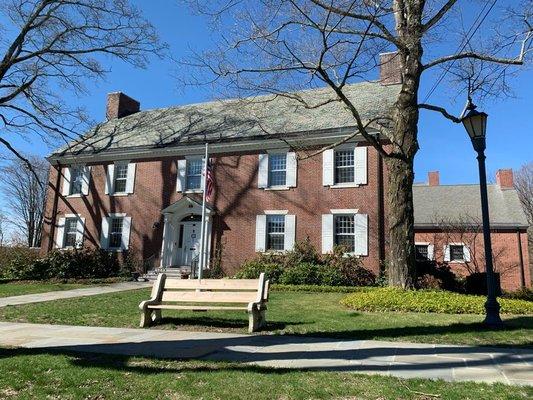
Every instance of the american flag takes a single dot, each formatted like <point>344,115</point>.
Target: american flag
<point>209,180</point>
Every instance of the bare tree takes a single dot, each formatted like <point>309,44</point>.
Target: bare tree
<point>24,190</point>
<point>49,46</point>
<point>469,231</point>
<point>279,46</point>
<point>524,187</point>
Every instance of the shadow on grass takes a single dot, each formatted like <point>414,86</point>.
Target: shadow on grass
<point>204,323</point>
<point>511,324</point>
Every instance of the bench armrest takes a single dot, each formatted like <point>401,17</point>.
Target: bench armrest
<point>157,292</point>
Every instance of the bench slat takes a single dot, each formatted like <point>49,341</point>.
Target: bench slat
<point>198,308</point>
<point>233,284</point>
<point>209,297</point>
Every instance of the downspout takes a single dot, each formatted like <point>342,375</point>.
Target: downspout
<point>521,258</point>
<point>381,212</point>
<point>54,208</point>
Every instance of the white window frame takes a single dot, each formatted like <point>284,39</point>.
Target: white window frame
<point>466,253</point>
<point>335,215</point>
<point>261,234</point>
<point>361,231</point>
<point>360,166</point>
<point>61,233</point>
<point>105,237</point>
<point>430,246</point>
<point>264,170</point>
<point>110,187</point>
<point>186,181</point>
<point>67,180</point>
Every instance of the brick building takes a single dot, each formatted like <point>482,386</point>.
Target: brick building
<point>134,181</point>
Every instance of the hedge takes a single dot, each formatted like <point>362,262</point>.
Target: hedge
<point>428,301</point>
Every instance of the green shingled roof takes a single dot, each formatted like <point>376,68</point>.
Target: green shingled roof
<point>229,120</point>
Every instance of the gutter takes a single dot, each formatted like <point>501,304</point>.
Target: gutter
<point>322,137</point>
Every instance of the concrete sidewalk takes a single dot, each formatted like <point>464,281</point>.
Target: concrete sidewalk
<point>68,294</point>
<point>406,360</point>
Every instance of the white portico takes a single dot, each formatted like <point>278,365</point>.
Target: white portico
<point>182,233</point>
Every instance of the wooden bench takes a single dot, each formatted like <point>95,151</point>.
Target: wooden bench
<point>249,295</point>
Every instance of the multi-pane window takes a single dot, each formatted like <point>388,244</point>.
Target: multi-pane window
<point>457,253</point>
<point>345,232</point>
<point>71,225</point>
<point>194,173</point>
<point>344,166</point>
<point>121,177</point>
<point>275,239</point>
<point>277,169</point>
<point>115,232</point>
<point>421,252</point>
<point>76,180</point>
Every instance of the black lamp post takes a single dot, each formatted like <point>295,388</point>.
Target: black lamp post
<point>475,123</point>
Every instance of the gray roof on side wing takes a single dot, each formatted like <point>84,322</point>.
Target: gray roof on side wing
<point>462,203</point>
<point>236,119</point>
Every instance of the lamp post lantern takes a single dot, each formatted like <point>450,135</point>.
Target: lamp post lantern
<point>475,123</point>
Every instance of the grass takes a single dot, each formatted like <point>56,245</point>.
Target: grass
<point>300,313</point>
<point>35,374</point>
<point>20,288</point>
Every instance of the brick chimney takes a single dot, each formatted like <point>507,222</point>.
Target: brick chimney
<point>120,105</point>
<point>390,72</point>
<point>504,179</point>
<point>433,178</point>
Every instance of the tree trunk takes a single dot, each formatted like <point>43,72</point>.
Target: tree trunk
<point>401,260</point>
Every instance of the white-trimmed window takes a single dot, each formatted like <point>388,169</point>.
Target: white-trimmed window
<point>345,166</point>
<point>115,232</point>
<point>76,180</point>
<point>277,170</point>
<point>456,252</point>
<point>194,173</point>
<point>423,251</point>
<point>275,231</point>
<point>190,174</point>
<point>345,232</point>
<point>345,228</point>
<point>120,178</point>
<point>70,230</point>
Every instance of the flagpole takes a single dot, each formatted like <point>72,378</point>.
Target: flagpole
<point>202,231</point>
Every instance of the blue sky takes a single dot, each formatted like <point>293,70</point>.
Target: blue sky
<point>444,146</point>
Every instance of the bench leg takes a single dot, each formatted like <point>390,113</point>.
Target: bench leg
<point>156,316</point>
<point>145,318</point>
<point>256,319</point>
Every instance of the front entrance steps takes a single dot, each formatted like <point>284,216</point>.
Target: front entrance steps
<point>172,272</point>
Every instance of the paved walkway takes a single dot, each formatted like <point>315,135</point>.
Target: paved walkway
<point>67,294</point>
<point>407,360</point>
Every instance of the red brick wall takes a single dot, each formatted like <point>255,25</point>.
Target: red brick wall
<point>504,249</point>
<point>237,201</point>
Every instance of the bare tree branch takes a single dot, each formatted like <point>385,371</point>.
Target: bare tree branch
<point>441,110</point>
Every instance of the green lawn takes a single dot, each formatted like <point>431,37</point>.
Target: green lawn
<point>20,288</point>
<point>318,314</point>
<point>34,374</point>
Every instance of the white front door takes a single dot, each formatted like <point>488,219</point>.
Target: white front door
<point>191,242</point>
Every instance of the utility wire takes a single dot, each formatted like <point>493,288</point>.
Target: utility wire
<point>462,47</point>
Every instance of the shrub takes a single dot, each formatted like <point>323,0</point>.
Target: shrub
<point>520,294</point>
<point>252,269</point>
<point>16,262</point>
<point>432,275</point>
<point>304,266</point>
<point>302,274</point>
<point>428,301</point>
